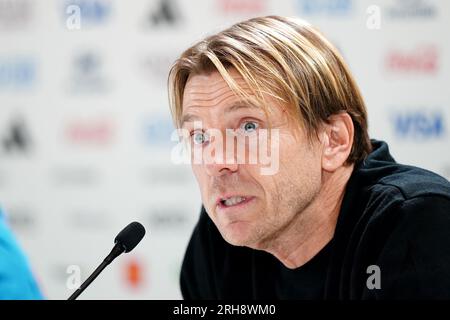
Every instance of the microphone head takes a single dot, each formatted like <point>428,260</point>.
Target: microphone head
<point>130,236</point>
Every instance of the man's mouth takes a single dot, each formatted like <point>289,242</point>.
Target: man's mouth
<point>226,202</point>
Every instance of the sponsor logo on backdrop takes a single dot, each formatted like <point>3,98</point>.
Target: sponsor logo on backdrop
<point>74,176</point>
<point>90,132</point>
<point>170,175</point>
<point>15,14</point>
<point>156,66</point>
<point>325,7</point>
<point>158,131</point>
<point>419,124</point>
<point>21,219</point>
<point>91,220</point>
<point>17,72</point>
<point>133,272</point>
<point>423,59</point>
<point>92,12</point>
<point>87,74</point>
<point>15,138</point>
<point>163,13</point>
<point>407,9</point>
<point>165,218</point>
<point>242,6</point>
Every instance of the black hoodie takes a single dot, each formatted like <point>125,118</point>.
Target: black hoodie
<point>392,241</point>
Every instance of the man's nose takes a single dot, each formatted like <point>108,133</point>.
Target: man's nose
<point>219,168</point>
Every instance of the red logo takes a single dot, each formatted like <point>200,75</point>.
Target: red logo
<point>94,132</point>
<point>422,60</point>
<point>134,277</point>
<point>242,6</point>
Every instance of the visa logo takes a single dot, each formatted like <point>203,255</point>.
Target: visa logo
<point>17,73</point>
<point>419,125</point>
<point>331,7</point>
<point>158,131</point>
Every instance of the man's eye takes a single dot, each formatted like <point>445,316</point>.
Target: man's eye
<point>249,126</point>
<point>199,137</point>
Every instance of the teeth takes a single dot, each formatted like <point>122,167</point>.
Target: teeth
<point>233,201</point>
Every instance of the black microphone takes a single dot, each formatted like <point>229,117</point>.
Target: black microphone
<point>125,241</point>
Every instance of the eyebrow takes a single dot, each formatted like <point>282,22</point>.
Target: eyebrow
<point>189,117</point>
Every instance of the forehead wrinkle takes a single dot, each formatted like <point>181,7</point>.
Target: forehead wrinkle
<point>218,92</point>
<point>202,92</point>
<point>211,102</point>
<point>213,93</point>
<point>194,99</point>
<point>211,106</point>
<point>189,117</point>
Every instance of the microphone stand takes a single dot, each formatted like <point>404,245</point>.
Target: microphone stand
<point>115,252</point>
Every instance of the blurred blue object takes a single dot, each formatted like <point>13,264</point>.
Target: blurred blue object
<point>16,280</point>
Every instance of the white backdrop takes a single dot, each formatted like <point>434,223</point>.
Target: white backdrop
<point>85,127</point>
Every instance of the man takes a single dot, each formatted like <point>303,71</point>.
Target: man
<point>16,279</point>
<point>337,218</point>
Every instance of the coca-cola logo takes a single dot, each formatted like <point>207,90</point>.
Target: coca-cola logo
<point>423,59</point>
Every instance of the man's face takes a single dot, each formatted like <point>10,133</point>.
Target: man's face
<point>249,208</point>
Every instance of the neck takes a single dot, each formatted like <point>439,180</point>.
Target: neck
<point>314,227</point>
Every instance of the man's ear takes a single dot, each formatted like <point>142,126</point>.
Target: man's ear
<point>337,141</point>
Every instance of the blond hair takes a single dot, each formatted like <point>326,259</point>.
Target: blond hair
<point>285,58</point>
